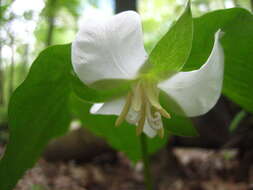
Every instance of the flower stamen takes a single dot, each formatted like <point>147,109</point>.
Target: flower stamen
<point>153,97</point>
<point>137,97</point>
<point>125,110</point>
<point>161,133</point>
<point>142,105</point>
<point>164,113</point>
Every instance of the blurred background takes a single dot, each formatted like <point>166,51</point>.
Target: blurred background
<point>221,158</point>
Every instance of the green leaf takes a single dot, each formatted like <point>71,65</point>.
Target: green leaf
<point>114,88</point>
<point>179,124</point>
<point>172,51</point>
<point>236,23</point>
<point>38,112</point>
<point>122,138</point>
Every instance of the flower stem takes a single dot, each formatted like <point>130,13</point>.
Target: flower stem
<point>145,159</point>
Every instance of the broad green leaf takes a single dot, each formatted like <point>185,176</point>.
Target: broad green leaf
<point>38,112</point>
<point>237,25</point>
<point>172,51</point>
<point>122,138</point>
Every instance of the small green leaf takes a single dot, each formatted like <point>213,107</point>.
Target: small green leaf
<point>236,23</point>
<point>38,112</point>
<point>236,120</point>
<point>172,51</point>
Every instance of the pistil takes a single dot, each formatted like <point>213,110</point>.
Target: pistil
<point>141,122</point>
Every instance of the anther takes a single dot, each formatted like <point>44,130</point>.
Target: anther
<point>161,132</point>
<point>124,111</point>
<point>164,113</point>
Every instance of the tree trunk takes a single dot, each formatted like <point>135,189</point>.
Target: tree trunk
<point>11,80</point>
<point>1,72</point>
<point>1,77</point>
<point>25,63</point>
<point>124,5</point>
<point>51,22</point>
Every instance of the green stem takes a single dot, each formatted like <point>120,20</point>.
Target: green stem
<point>237,119</point>
<point>145,159</point>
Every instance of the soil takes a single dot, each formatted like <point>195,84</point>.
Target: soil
<point>195,169</point>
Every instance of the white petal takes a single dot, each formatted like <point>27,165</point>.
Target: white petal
<point>133,116</point>
<point>149,131</point>
<point>95,107</point>
<point>113,107</point>
<point>109,49</point>
<point>198,91</point>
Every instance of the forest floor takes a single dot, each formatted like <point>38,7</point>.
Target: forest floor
<point>198,169</point>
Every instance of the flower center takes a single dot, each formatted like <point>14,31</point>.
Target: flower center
<point>142,108</point>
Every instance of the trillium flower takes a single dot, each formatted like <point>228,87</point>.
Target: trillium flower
<point>113,49</point>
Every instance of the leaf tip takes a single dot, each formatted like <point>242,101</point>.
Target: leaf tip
<point>188,7</point>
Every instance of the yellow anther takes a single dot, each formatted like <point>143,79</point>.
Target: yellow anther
<point>152,94</point>
<point>161,132</point>
<point>125,110</point>
<point>137,97</point>
<point>164,113</point>
<point>153,97</point>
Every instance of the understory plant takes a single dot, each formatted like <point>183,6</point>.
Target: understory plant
<point>105,78</point>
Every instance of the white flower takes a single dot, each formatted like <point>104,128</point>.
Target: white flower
<point>113,49</point>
